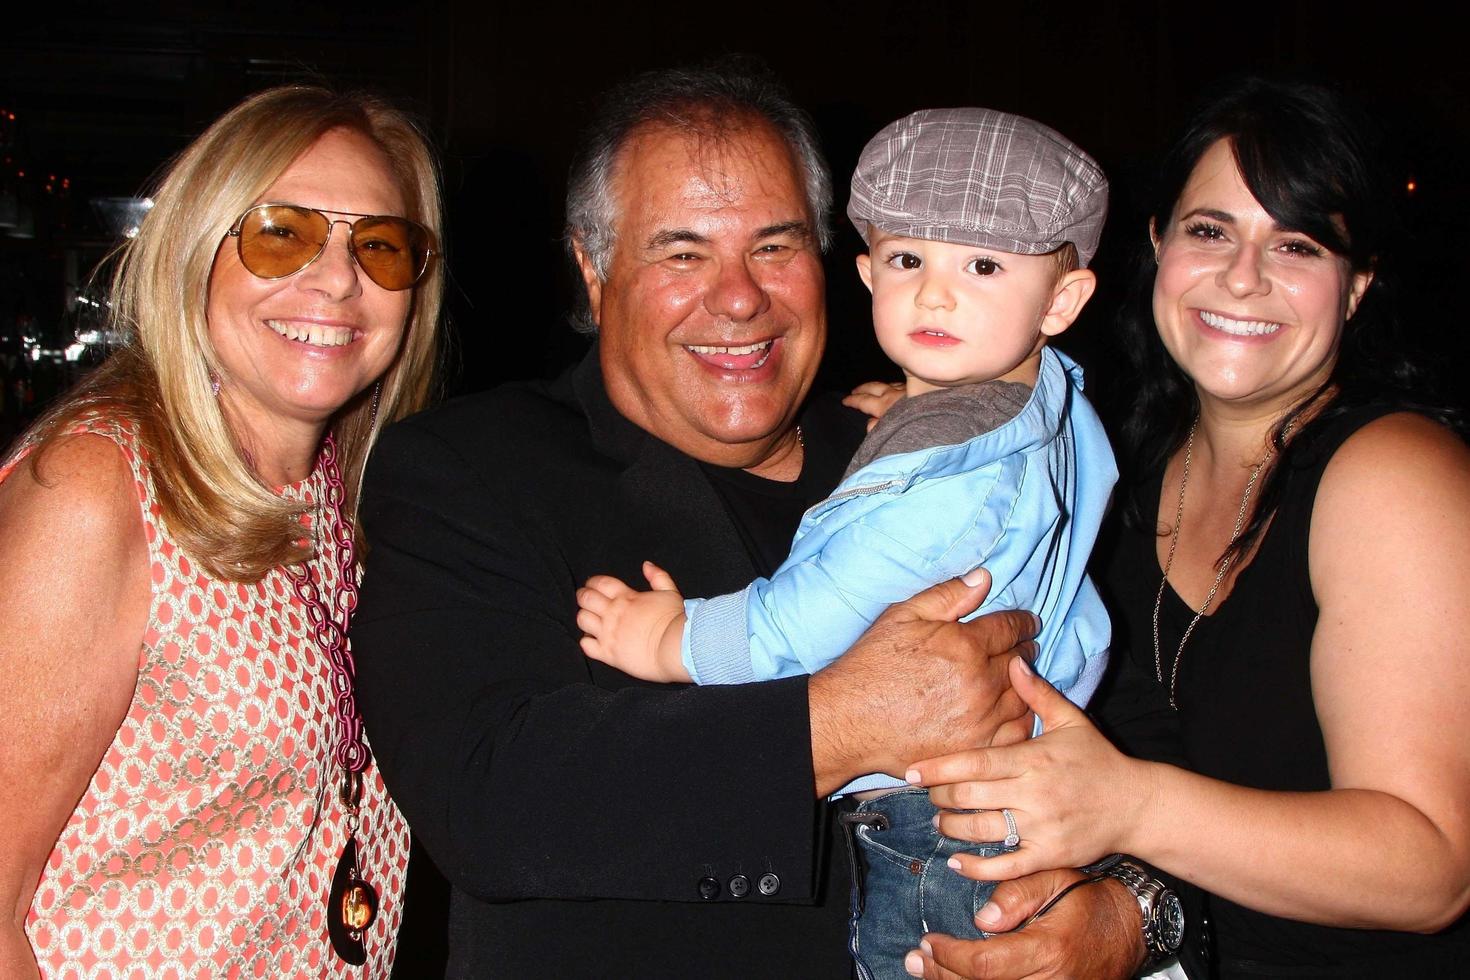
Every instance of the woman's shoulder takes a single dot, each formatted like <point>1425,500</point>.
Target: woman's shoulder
<point>79,483</point>
<point>1396,447</point>
<point>1398,484</point>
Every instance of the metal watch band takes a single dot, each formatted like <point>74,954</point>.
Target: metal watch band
<point>1163,919</point>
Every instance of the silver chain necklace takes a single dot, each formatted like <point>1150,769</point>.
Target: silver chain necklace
<point>1245,500</point>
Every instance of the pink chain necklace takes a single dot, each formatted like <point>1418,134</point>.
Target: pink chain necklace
<point>352,904</point>
<point>351,752</point>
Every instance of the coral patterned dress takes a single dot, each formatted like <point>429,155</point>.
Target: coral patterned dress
<point>206,842</point>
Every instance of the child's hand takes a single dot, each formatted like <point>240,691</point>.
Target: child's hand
<point>874,398</point>
<point>639,633</point>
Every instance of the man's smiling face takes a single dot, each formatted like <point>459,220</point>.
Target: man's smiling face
<point>711,313</point>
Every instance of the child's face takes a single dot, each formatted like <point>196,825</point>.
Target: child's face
<point>957,314</point>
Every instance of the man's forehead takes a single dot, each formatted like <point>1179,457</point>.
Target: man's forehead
<point>669,174</point>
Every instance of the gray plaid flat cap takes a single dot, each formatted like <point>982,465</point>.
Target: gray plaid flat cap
<point>980,177</point>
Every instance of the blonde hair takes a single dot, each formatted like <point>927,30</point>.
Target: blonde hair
<point>215,505</point>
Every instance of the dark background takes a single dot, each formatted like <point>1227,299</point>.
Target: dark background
<point>103,94</point>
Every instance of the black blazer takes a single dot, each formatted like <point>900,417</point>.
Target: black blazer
<point>589,824</point>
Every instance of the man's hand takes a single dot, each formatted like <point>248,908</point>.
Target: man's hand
<point>1075,797</point>
<point>639,633</point>
<point>1094,932</point>
<point>919,684</point>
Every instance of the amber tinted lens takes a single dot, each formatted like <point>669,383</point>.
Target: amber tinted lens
<point>392,251</point>
<point>277,240</point>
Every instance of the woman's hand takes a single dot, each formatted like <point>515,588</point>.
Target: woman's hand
<point>874,398</point>
<point>1074,797</point>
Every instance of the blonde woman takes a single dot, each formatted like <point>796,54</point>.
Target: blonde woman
<point>184,785</point>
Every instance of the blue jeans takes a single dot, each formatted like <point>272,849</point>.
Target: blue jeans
<point>901,885</point>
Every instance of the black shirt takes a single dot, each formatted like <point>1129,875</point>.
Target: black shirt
<point>1246,716</point>
<point>766,513</point>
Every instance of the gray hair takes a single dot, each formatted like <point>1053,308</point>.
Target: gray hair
<point>703,100</point>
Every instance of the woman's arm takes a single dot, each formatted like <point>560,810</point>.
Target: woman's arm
<point>1389,845</point>
<point>73,608</point>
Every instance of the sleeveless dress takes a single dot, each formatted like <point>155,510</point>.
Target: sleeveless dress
<point>1246,716</point>
<point>205,843</point>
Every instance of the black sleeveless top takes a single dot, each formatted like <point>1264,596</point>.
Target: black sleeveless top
<point>1246,716</point>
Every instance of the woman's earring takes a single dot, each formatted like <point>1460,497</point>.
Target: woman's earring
<point>377,394</point>
<point>214,384</point>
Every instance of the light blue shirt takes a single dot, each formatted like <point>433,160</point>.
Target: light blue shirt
<point>1024,500</point>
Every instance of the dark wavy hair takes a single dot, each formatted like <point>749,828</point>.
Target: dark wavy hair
<point>1316,165</point>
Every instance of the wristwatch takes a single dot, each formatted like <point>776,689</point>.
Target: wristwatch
<point>1163,915</point>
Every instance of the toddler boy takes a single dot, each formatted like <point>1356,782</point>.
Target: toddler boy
<point>979,225</point>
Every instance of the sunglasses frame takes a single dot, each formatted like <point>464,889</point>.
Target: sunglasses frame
<point>332,223</point>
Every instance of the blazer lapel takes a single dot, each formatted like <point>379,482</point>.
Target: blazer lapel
<point>675,517</point>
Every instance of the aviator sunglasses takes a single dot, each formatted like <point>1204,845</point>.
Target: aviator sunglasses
<point>279,240</point>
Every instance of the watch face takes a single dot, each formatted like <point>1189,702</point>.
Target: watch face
<point>1171,921</point>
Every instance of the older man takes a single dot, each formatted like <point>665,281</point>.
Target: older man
<point>590,824</point>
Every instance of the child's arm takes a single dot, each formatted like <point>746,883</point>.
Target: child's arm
<point>639,633</point>
<point>858,552</point>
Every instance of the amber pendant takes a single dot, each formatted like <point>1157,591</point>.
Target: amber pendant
<point>351,907</point>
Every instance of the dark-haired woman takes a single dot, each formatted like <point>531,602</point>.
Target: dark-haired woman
<point>1289,596</point>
